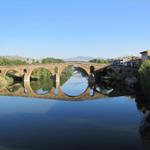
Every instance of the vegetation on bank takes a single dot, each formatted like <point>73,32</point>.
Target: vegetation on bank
<point>144,73</point>
<point>6,61</point>
<point>41,73</point>
<point>99,61</point>
<point>51,60</point>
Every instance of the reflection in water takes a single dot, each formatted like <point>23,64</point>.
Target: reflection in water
<point>15,87</point>
<point>41,81</point>
<point>77,83</point>
<point>41,86</point>
<point>104,88</point>
<point>100,124</point>
<point>144,129</point>
<point>41,124</point>
<point>74,81</point>
<point>75,86</point>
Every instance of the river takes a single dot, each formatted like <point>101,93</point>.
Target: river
<point>29,123</point>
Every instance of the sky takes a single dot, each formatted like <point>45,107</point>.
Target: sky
<point>70,28</point>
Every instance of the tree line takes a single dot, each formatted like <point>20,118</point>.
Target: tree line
<point>144,78</point>
<point>99,61</point>
<point>6,61</point>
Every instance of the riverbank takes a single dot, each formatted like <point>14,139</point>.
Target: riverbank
<point>144,78</point>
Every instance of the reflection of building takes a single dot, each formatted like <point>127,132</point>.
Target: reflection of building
<point>145,55</point>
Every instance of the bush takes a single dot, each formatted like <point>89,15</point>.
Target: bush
<point>99,61</point>
<point>41,73</point>
<point>51,60</point>
<point>5,61</point>
<point>144,73</point>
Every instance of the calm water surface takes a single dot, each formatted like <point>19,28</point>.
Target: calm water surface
<point>99,124</point>
<point>37,124</point>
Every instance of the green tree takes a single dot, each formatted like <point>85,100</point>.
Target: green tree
<point>6,61</point>
<point>99,61</point>
<point>144,73</point>
<point>51,60</point>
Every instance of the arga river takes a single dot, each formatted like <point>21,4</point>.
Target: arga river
<point>101,123</point>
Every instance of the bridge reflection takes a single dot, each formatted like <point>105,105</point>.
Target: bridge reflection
<point>26,91</point>
<point>103,74</point>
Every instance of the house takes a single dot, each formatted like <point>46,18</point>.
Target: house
<point>130,61</point>
<point>145,55</point>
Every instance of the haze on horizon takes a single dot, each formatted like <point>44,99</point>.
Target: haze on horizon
<point>70,28</point>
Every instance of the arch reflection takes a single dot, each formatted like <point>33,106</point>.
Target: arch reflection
<point>41,81</point>
<point>74,81</point>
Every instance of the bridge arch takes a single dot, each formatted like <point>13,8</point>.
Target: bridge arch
<point>76,96</point>
<point>40,67</point>
<point>87,70</point>
<point>28,71</point>
<point>13,70</point>
<point>41,86</point>
<point>67,80</point>
<point>14,73</point>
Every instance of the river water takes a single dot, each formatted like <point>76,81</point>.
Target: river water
<point>95,124</point>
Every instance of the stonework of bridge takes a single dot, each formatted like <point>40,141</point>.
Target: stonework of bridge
<point>55,69</point>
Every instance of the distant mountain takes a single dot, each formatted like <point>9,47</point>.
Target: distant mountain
<point>80,58</point>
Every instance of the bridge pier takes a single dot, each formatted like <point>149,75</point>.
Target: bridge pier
<point>26,78</point>
<point>57,80</point>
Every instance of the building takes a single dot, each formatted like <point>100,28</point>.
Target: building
<point>130,61</point>
<point>145,55</point>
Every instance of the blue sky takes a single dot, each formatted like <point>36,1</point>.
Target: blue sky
<point>68,28</point>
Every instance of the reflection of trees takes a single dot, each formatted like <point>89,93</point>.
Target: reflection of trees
<point>15,87</point>
<point>66,74</point>
<point>43,81</point>
<point>45,85</point>
<point>81,71</point>
<point>114,88</point>
<point>144,129</point>
<point>103,87</point>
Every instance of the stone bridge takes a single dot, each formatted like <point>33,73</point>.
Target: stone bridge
<point>56,69</point>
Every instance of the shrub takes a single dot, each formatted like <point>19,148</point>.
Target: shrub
<point>144,73</point>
